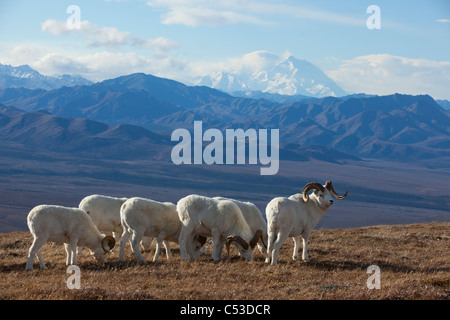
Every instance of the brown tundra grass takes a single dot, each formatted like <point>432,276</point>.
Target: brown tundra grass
<point>413,260</point>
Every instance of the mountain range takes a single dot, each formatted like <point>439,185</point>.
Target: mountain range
<point>396,127</point>
<point>43,132</point>
<point>147,108</point>
<point>26,77</point>
<point>39,131</point>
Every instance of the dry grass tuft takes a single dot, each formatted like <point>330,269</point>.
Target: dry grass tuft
<point>413,259</point>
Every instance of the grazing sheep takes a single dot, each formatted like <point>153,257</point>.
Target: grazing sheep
<point>144,217</point>
<point>70,226</point>
<point>105,212</point>
<point>254,220</point>
<point>219,218</point>
<point>296,217</point>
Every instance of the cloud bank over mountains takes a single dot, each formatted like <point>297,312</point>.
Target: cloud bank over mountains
<point>386,74</point>
<point>106,52</point>
<point>260,70</point>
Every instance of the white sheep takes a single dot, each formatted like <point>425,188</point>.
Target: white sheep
<point>255,220</point>
<point>220,219</point>
<point>296,217</point>
<point>105,212</point>
<point>71,226</point>
<point>144,217</point>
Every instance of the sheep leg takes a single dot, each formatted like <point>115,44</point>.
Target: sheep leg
<point>217,245</point>
<point>68,253</point>
<point>41,261</point>
<point>184,239</point>
<point>281,238</point>
<point>261,247</point>
<point>158,248</point>
<point>35,250</point>
<point>168,250</point>
<point>159,240</point>
<point>296,248</point>
<point>305,248</point>
<point>190,247</point>
<point>270,240</point>
<point>136,238</point>
<point>123,242</point>
<point>73,250</point>
<point>117,236</point>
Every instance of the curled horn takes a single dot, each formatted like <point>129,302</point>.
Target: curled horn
<point>238,239</point>
<point>309,186</point>
<point>329,186</point>
<point>108,242</point>
<point>255,239</point>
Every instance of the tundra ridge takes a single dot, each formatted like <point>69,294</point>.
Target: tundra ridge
<point>413,260</point>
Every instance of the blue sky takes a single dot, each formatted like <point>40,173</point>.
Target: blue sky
<point>183,40</point>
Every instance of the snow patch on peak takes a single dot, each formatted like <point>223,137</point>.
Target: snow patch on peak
<point>267,72</point>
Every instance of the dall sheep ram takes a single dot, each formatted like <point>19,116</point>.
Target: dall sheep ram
<point>296,217</point>
<point>105,212</point>
<point>220,219</point>
<point>144,217</point>
<point>71,226</point>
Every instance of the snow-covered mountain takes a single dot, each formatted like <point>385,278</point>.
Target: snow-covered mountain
<point>26,77</point>
<point>270,73</point>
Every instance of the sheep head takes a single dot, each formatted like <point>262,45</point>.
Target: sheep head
<point>237,239</point>
<point>247,247</point>
<point>317,186</point>
<point>311,186</point>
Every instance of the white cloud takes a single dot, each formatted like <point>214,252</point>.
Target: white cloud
<point>201,16</point>
<point>387,74</point>
<point>106,65</point>
<point>54,63</point>
<point>23,54</point>
<point>247,63</point>
<point>223,12</point>
<point>443,20</point>
<point>108,37</point>
<point>196,13</point>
